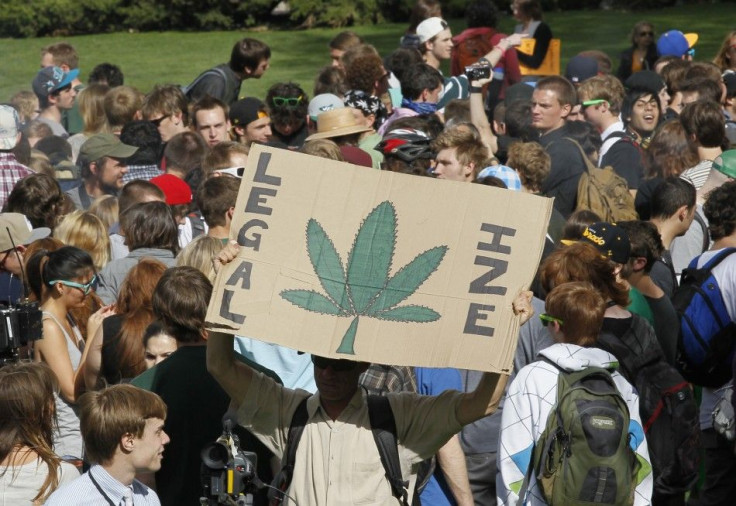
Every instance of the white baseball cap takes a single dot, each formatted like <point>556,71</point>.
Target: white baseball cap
<point>9,126</point>
<point>429,28</point>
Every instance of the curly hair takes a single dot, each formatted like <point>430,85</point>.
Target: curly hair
<point>287,114</point>
<point>363,72</point>
<point>720,210</point>
<point>583,262</point>
<point>532,163</point>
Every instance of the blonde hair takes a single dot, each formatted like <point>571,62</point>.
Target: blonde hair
<point>91,102</point>
<point>106,209</point>
<point>323,148</point>
<point>200,254</point>
<point>87,232</point>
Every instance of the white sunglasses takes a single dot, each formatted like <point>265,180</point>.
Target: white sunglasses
<point>232,171</point>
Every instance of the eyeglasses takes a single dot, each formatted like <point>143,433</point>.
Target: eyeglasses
<point>287,101</point>
<point>337,365</point>
<point>547,319</point>
<point>232,171</point>
<point>597,101</point>
<point>646,34</point>
<point>86,288</point>
<point>158,121</point>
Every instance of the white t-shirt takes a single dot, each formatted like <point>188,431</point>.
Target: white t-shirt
<point>20,484</point>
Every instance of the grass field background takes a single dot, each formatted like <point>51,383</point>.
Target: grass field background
<point>178,57</point>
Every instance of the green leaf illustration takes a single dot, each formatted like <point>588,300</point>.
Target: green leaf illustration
<point>364,288</point>
<point>408,279</point>
<point>370,258</point>
<point>418,314</point>
<point>327,264</point>
<point>312,301</point>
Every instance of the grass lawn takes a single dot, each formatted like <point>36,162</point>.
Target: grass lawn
<point>178,57</point>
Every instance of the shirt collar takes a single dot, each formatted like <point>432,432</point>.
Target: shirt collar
<point>113,488</point>
<point>357,401</point>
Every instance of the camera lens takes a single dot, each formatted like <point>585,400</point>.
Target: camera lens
<point>215,456</point>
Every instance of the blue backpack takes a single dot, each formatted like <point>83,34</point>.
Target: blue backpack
<point>705,345</point>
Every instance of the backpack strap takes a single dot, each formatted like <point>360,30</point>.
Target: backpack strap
<point>282,480</point>
<point>713,262</point>
<point>211,72</point>
<point>588,164</point>
<point>706,237</point>
<point>383,427</point>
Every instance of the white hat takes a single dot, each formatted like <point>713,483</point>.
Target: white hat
<point>9,126</point>
<point>323,103</point>
<point>429,28</point>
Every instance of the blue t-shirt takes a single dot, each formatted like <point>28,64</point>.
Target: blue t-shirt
<point>434,381</point>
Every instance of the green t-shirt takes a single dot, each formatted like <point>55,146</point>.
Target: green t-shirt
<point>640,306</point>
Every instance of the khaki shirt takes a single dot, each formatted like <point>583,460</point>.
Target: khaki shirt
<point>337,462</point>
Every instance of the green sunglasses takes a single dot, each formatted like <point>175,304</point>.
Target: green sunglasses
<point>287,101</point>
<point>597,101</point>
<point>547,319</point>
<point>86,288</point>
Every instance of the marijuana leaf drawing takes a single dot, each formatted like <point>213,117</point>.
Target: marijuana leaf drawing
<point>365,288</point>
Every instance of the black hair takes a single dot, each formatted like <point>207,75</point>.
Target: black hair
<point>627,106</point>
<point>145,136</point>
<point>720,210</point>
<point>106,73</point>
<point>64,263</point>
<point>518,121</point>
<point>670,195</point>
<point>645,241</point>
<point>248,53</point>
<point>481,13</point>
<point>585,135</point>
<point>418,78</point>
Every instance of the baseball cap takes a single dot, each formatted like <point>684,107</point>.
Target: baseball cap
<point>16,229</point>
<point>725,163</point>
<point>9,126</point>
<point>175,189</point>
<point>429,28</point>
<point>50,79</point>
<point>506,174</point>
<point>323,102</point>
<point>243,112</point>
<point>611,240</point>
<point>100,145</point>
<point>580,68</point>
<point>675,43</point>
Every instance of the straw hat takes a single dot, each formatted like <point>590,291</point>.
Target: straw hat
<point>336,123</point>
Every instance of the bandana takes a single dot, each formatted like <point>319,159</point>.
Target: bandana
<point>369,104</point>
<point>419,107</point>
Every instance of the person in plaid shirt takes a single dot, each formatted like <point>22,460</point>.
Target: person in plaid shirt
<point>11,171</point>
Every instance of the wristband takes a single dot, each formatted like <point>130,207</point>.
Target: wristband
<point>476,89</point>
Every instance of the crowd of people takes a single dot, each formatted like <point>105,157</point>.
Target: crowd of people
<point>116,212</point>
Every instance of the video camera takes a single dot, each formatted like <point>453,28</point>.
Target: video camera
<point>228,473</point>
<point>19,325</point>
<point>478,71</point>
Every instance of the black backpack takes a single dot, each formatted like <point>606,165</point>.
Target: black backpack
<point>705,344</point>
<point>383,427</point>
<point>667,407</point>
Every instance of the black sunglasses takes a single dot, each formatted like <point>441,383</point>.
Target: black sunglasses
<point>646,34</point>
<point>337,365</point>
<point>158,121</point>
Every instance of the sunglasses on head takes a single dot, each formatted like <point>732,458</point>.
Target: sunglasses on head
<point>86,287</point>
<point>547,319</point>
<point>232,171</point>
<point>337,365</point>
<point>287,101</point>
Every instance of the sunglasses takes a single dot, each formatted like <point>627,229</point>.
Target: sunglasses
<point>646,34</point>
<point>337,365</point>
<point>158,121</point>
<point>597,101</point>
<point>287,101</point>
<point>691,52</point>
<point>547,319</point>
<point>86,288</point>
<point>232,171</point>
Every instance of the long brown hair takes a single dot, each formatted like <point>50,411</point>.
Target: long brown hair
<point>28,417</point>
<point>134,304</point>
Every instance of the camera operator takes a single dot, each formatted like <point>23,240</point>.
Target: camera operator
<point>16,233</point>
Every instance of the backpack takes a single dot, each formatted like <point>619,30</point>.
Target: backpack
<point>604,192</point>
<point>383,427</point>
<point>705,344</point>
<point>468,50</point>
<point>187,90</point>
<point>584,456</point>
<point>667,409</point>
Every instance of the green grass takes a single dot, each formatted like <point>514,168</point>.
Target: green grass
<point>176,57</point>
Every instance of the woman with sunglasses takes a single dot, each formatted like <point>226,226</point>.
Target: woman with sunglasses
<point>61,280</point>
<point>643,51</point>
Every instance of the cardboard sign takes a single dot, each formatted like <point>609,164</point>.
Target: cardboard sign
<point>550,65</point>
<point>349,262</point>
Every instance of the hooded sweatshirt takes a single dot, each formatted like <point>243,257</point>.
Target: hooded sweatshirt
<point>529,401</point>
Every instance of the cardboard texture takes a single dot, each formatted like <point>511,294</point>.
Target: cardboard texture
<point>348,262</point>
<point>550,65</point>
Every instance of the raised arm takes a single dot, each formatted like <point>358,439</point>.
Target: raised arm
<point>485,398</point>
<point>232,375</point>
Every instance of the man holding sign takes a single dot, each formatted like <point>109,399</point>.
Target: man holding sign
<point>337,460</point>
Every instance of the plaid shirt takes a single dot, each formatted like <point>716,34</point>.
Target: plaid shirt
<point>10,173</point>
<point>381,379</point>
<point>146,172</point>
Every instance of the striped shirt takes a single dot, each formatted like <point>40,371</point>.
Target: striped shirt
<point>97,487</point>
